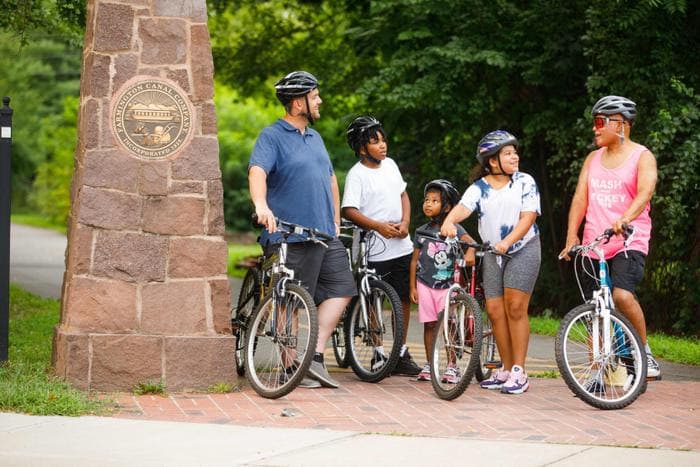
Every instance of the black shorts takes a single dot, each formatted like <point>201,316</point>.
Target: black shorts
<point>626,272</point>
<point>324,272</point>
<point>396,273</point>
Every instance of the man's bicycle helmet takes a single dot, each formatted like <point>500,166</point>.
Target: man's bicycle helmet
<point>611,105</point>
<point>448,193</point>
<point>492,143</point>
<point>361,130</point>
<point>295,84</point>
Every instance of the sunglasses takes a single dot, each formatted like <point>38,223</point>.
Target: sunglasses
<point>601,122</point>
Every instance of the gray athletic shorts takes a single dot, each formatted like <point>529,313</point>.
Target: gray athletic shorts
<point>324,272</point>
<point>517,272</point>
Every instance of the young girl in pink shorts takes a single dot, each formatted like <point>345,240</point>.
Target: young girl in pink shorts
<point>432,268</point>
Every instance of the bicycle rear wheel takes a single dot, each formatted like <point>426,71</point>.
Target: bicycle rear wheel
<point>487,357</point>
<point>338,341</point>
<point>455,355</point>
<point>613,380</point>
<point>383,329</point>
<point>248,299</point>
<point>280,341</point>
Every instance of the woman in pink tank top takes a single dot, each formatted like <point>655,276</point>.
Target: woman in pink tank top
<point>615,188</point>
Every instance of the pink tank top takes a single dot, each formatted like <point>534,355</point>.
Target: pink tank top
<point>610,192</point>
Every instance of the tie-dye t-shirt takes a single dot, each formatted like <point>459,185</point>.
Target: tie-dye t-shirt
<point>499,210</point>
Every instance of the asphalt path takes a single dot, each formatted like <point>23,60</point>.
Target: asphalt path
<point>37,263</point>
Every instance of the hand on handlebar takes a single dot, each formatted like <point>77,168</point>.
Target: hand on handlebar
<point>264,216</point>
<point>448,230</point>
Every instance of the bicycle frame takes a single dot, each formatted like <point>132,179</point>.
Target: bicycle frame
<point>365,275</point>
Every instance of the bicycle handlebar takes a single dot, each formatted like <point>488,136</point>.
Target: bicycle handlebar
<point>627,234</point>
<point>290,227</point>
<point>485,247</point>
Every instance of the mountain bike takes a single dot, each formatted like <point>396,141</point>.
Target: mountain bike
<point>338,335</point>
<point>282,330</point>
<point>373,321</point>
<point>253,289</point>
<point>456,352</point>
<point>599,353</point>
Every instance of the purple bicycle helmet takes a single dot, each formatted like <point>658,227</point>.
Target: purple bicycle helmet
<point>492,143</point>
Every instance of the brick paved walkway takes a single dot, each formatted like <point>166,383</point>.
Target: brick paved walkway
<point>666,416</point>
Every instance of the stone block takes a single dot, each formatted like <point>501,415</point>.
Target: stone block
<point>202,64</point>
<point>194,9</point>
<point>164,41</point>
<point>79,249</point>
<point>71,357</point>
<point>174,215</point>
<point>197,257</point>
<point>110,168</point>
<point>120,362</point>
<point>187,188</point>
<point>215,213</point>
<point>115,26</point>
<point>180,76</point>
<point>90,123</point>
<point>174,308</point>
<point>125,67</point>
<point>109,209</point>
<point>153,178</point>
<point>130,257</point>
<point>221,305</point>
<point>93,305</point>
<point>199,160</point>
<point>214,362</point>
<point>106,134</point>
<point>208,118</point>
<point>97,75</point>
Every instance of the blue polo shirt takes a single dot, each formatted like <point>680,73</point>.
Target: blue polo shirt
<point>298,172</point>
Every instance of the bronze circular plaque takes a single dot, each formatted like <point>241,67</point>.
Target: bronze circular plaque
<point>152,118</point>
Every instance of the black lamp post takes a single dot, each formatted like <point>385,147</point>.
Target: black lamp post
<point>5,190</point>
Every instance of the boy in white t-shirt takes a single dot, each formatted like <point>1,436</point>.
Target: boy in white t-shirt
<point>375,198</point>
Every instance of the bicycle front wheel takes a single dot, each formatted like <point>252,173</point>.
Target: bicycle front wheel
<point>248,299</point>
<point>338,341</point>
<point>614,378</point>
<point>281,341</point>
<point>373,345</point>
<point>457,347</point>
<point>488,359</point>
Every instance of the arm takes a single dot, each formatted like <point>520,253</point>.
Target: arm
<point>336,203</point>
<point>405,215</point>
<point>455,216</point>
<point>412,275</point>
<point>527,219</point>
<point>386,229</point>
<point>646,183</point>
<point>577,211</point>
<point>470,254</point>
<point>257,184</point>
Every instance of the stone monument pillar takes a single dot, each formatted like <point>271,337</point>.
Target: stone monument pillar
<point>145,293</point>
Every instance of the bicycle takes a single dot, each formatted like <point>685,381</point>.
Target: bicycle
<point>373,320</point>
<point>282,331</point>
<point>338,335</point>
<point>487,359</point>
<point>456,352</point>
<point>599,353</point>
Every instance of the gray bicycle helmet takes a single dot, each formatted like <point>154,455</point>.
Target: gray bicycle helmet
<point>295,84</point>
<point>448,193</point>
<point>361,130</point>
<point>492,143</point>
<point>611,105</point>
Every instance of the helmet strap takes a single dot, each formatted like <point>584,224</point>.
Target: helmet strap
<point>307,114</point>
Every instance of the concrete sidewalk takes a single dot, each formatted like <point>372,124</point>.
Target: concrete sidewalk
<point>91,441</point>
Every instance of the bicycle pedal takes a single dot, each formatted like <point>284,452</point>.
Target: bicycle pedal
<point>493,365</point>
<point>654,378</point>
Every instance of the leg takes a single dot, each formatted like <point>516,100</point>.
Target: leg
<point>627,303</point>
<point>406,305</point>
<point>329,313</point>
<point>428,338</point>
<point>516,304</point>
<point>495,307</point>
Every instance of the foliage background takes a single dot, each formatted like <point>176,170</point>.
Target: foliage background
<point>439,74</point>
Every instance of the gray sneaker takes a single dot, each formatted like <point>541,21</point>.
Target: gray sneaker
<point>318,371</point>
<point>309,383</point>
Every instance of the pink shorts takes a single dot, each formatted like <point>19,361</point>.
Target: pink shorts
<point>430,302</point>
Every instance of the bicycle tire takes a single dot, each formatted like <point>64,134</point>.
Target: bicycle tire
<point>360,342</point>
<point>248,299</point>
<point>452,350</point>
<point>338,340</point>
<point>488,349</point>
<point>623,375</point>
<point>268,349</point>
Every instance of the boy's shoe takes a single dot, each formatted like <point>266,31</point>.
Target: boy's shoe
<point>517,383</point>
<point>305,382</point>
<point>406,366</point>
<point>318,371</point>
<point>451,375</point>
<point>424,374</point>
<point>653,370</point>
<point>496,380</point>
<point>378,361</point>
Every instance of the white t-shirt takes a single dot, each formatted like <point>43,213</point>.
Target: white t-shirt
<point>499,210</point>
<point>376,193</point>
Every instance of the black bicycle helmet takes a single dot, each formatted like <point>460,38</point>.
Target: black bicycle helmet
<point>611,105</point>
<point>448,193</point>
<point>295,84</point>
<point>361,130</point>
<point>492,143</point>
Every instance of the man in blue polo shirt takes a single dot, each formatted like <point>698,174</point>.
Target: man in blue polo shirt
<point>291,176</point>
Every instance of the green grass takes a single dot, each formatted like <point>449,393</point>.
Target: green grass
<point>238,252</point>
<point>675,349</point>
<point>26,384</point>
<point>36,220</point>
<point>150,387</point>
